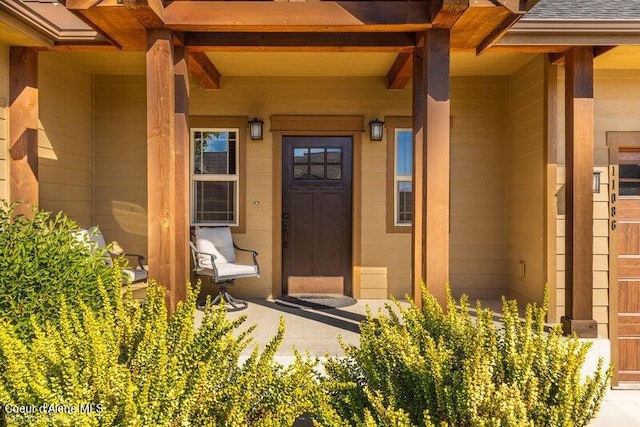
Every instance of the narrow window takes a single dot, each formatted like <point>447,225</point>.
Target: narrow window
<point>399,194</point>
<point>214,176</point>
<point>403,185</point>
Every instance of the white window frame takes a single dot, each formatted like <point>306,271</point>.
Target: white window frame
<point>397,178</point>
<point>214,178</point>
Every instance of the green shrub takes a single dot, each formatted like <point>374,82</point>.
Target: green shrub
<point>138,368</point>
<point>429,367</point>
<point>40,260</point>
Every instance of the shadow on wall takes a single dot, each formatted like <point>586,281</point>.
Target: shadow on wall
<point>130,217</point>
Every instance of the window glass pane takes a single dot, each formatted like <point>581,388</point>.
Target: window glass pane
<point>334,155</point>
<point>214,152</point>
<point>317,172</point>
<point>300,155</point>
<point>404,154</point>
<point>630,171</point>
<point>405,202</point>
<point>317,155</point>
<point>629,188</point>
<point>214,201</point>
<point>300,171</point>
<point>334,172</point>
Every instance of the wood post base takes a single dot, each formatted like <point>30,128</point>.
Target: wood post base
<point>582,328</point>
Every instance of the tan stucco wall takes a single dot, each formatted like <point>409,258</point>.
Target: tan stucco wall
<point>65,138</point>
<point>120,191</point>
<point>4,128</point>
<point>477,239</point>
<point>478,204</point>
<point>525,183</point>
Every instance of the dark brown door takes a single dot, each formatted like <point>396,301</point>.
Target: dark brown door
<point>316,214</point>
<point>628,225</point>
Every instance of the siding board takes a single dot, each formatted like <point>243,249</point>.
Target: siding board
<point>65,138</point>
<point>524,182</point>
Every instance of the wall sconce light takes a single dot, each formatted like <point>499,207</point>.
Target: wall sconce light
<point>375,129</point>
<point>255,129</point>
<point>596,182</point>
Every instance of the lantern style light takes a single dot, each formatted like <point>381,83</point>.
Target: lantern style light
<point>255,129</point>
<point>375,129</point>
<point>596,182</point>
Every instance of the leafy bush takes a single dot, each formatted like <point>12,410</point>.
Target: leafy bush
<point>40,260</point>
<point>138,368</point>
<point>428,367</point>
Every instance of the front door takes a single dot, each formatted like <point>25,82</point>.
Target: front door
<point>316,214</point>
<point>628,226</point>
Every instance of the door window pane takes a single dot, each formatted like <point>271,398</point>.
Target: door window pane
<point>317,163</point>
<point>630,171</point>
<point>300,155</point>
<point>630,188</point>
<point>629,180</point>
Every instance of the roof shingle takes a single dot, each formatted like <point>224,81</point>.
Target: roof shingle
<point>581,10</point>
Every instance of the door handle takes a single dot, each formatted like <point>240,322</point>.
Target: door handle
<point>285,230</point>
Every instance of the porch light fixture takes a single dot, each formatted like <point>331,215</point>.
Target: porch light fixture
<point>596,182</point>
<point>255,129</point>
<point>375,129</point>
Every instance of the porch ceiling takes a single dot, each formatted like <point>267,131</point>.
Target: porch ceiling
<point>300,64</point>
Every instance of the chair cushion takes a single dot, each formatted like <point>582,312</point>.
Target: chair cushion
<point>133,275</point>
<point>216,241</point>
<point>234,271</point>
<point>94,239</point>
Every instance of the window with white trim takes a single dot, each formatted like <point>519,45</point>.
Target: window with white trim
<point>214,176</point>
<point>402,177</point>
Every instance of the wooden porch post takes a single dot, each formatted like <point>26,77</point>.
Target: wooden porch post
<point>182,147</point>
<point>23,128</point>
<point>167,150</point>
<point>431,112</point>
<point>579,127</point>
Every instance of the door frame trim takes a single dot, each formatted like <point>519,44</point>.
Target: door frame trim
<point>352,126</point>
<point>615,141</point>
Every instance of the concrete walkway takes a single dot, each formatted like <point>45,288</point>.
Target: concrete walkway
<point>318,330</point>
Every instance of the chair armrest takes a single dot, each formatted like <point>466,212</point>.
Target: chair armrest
<point>253,253</point>
<point>196,265</point>
<point>140,258</point>
<point>244,250</point>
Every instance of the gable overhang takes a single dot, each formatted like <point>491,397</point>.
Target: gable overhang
<point>45,25</point>
<point>321,25</point>
<point>546,36</point>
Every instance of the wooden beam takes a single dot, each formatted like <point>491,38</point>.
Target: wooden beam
<point>23,128</point>
<point>579,132</point>
<point>431,164</point>
<point>148,12</point>
<point>557,58</point>
<point>445,13</point>
<point>497,33</point>
<point>325,16</point>
<point>400,72</point>
<point>514,6</point>
<point>300,42</point>
<point>203,70</point>
<point>599,50</point>
<point>166,167</point>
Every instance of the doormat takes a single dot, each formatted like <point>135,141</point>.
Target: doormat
<point>316,302</point>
